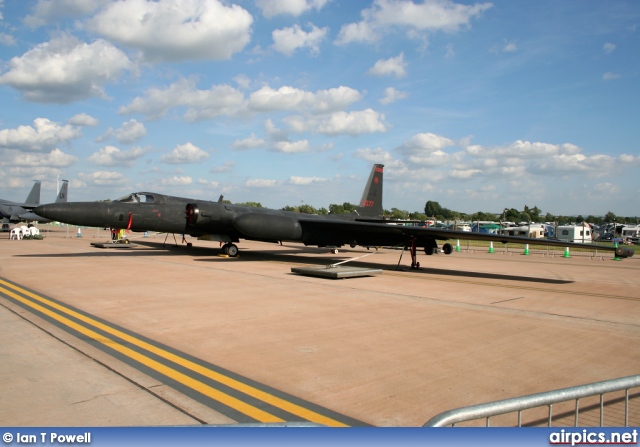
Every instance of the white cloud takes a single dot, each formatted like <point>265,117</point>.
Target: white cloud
<point>50,11</point>
<point>201,104</point>
<point>609,48</point>
<point>628,160</point>
<point>504,47</point>
<point>224,100</point>
<point>289,98</point>
<point>185,153</point>
<point>392,95</point>
<point>260,183</point>
<point>451,53</point>
<point>594,166</point>
<point>112,156</point>
<point>208,183</point>
<point>464,174</point>
<point>294,180</point>
<point>176,30</point>
<point>64,70</point>
<point>339,123</point>
<point>243,81</point>
<point>103,178</point>
<point>362,32</point>
<point>291,147</point>
<point>426,149</point>
<point>43,136</point>
<point>609,76</point>
<point>377,155</point>
<point>285,98</point>
<point>130,132</point>
<point>421,142</point>
<point>288,40</point>
<point>520,161</point>
<point>523,150</point>
<point>176,181</point>
<point>394,66</point>
<point>249,143</point>
<point>82,119</point>
<point>225,167</point>
<point>32,172</point>
<point>429,16</point>
<point>7,39</point>
<point>56,159</point>
<point>272,8</point>
<point>273,132</point>
<point>510,47</point>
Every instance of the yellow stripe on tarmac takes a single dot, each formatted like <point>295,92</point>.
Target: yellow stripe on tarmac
<point>232,383</point>
<point>230,401</point>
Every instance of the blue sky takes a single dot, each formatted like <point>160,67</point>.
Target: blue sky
<point>479,106</point>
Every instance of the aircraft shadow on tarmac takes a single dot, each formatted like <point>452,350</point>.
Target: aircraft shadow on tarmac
<point>285,254</point>
<point>290,254</point>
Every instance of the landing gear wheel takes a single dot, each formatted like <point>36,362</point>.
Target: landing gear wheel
<point>334,251</point>
<point>231,250</point>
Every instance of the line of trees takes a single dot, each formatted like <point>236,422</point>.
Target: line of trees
<point>528,214</point>
<point>433,210</point>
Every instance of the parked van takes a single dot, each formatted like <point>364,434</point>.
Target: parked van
<point>629,233</point>
<point>575,233</point>
<point>536,231</point>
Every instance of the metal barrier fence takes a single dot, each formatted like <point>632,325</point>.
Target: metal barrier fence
<point>549,398</point>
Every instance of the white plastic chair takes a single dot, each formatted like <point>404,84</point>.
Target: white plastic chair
<point>25,231</point>
<point>16,233</point>
<point>34,231</point>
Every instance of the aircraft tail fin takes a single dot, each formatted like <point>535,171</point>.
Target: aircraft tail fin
<point>371,203</point>
<point>34,196</point>
<point>62,194</point>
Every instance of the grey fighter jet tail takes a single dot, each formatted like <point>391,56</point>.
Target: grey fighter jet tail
<point>33,199</point>
<point>24,212</point>
<point>62,194</point>
<point>12,210</point>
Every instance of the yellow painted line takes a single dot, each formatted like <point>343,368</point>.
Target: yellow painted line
<point>230,401</point>
<point>221,378</point>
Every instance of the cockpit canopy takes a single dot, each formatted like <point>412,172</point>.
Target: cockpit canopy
<point>137,197</point>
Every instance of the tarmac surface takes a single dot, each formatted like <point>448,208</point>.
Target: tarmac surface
<point>102,337</point>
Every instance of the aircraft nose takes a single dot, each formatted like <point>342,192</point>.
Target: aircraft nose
<point>53,211</point>
<point>45,211</point>
<point>90,214</point>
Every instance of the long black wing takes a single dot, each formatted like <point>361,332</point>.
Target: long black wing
<point>345,232</point>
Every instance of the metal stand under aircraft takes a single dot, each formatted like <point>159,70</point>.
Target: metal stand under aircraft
<point>337,270</point>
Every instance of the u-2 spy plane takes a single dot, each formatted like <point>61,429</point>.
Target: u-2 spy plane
<point>218,221</point>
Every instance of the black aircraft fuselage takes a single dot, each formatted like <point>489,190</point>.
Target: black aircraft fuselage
<point>228,223</point>
<point>146,211</point>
